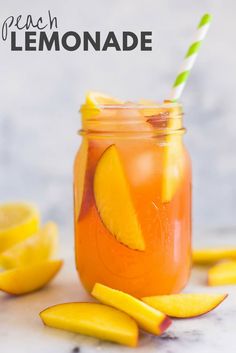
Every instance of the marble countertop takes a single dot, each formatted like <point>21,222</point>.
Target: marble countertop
<point>21,329</point>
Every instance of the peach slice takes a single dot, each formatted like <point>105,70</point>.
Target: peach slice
<point>27,279</point>
<point>173,161</point>
<point>148,318</point>
<point>166,117</point>
<point>80,172</point>
<point>222,274</point>
<point>94,320</point>
<point>185,305</point>
<point>113,200</point>
<point>210,256</point>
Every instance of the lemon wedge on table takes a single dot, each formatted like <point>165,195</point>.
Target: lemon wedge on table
<point>27,279</point>
<point>17,222</point>
<point>94,100</point>
<point>36,248</point>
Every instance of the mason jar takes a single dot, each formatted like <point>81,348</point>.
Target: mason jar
<point>132,199</point>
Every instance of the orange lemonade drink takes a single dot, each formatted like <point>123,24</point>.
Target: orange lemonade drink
<point>132,197</point>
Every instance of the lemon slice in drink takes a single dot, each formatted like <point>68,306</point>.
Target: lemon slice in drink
<point>97,98</point>
<point>17,222</point>
<point>36,248</point>
<point>93,102</point>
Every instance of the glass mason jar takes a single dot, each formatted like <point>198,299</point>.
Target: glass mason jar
<point>132,199</point>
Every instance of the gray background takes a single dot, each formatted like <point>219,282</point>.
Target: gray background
<point>40,94</point>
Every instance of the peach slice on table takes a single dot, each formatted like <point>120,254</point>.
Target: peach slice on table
<point>94,320</point>
<point>34,249</point>
<point>113,200</point>
<point>27,279</point>
<point>185,305</point>
<point>222,274</point>
<point>212,255</point>
<point>148,318</point>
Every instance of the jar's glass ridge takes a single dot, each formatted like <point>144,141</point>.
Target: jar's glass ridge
<point>132,118</point>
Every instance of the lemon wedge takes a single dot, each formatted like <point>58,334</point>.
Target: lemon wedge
<point>36,248</point>
<point>93,102</point>
<point>27,279</point>
<point>17,222</point>
<point>97,98</point>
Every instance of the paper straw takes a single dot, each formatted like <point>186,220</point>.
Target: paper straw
<point>190,58</point>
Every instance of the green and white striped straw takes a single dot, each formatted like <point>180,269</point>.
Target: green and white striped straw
<point>190,58</point>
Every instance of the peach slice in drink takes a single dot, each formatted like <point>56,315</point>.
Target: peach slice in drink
<point>80,173</point>
<point>113,200</point>
<point>173,156</point>
<point>153,113</point>
<point>185,305</point>
<point>166,117</point>
<point>148,318</point>
<point>94,320</point>
<point>84,168</point>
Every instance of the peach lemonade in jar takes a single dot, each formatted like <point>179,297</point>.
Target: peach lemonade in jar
<point>132,197</point>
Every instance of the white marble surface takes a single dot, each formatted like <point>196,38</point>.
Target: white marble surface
<point>22,331</point>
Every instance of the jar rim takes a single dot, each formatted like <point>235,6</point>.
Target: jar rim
<point>140,119</point>
<point>166,105</point>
